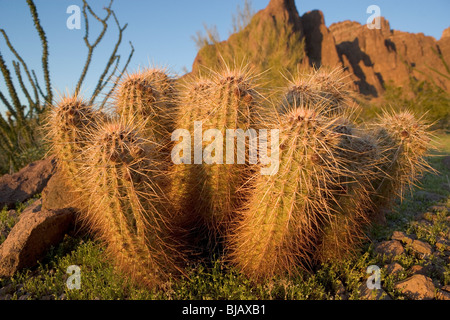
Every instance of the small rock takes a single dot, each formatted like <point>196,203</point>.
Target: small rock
<point>446,288</point>
<point>375,294</point>
<point>422,248</point>
<point>7,289</point>
<point>403,237</point>
<point>442,295</point>
<point>49,297</point>
<point>393,268</point>
<point>390,248</point>
<point>62,297</point>
<point>417,287</point>
<point>417,269</point>
<point>442,244</point>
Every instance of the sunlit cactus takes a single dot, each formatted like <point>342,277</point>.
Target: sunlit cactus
<point>233,103</point>
<point>148,95</point>
<point>333,177</point>
<point>346,230</point>
<point>326,88</point>
<point>404,142</point>
<point>282,223</point>
<point>68,124</point>
<point>126,207</point>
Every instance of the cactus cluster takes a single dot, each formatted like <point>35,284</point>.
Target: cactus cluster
<point>333,176</point>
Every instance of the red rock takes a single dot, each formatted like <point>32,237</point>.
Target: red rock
<point>417,287</point>
<point>31,237</point>
<point>442,295</point>
<point>390,248</point>
<point>373,57</point>
<point>320,44</point>
<point>422,248</point>
<point>23,185</point>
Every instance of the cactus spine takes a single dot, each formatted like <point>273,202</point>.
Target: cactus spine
<point>280,226</point>
<point>148,95</point>
<point>345,231</point>
<point>232,104</point>
<point>404,142</point>
<point>319,87</point>
<point>126,206</point>
<point>69,123</point>
<point>187,179</point>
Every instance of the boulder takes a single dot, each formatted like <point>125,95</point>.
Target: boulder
<point>422,248</point>
<point>403,237</point>
<point>418,269</point>
<point>390,248</point>
<point>417,287</point>
<point>393,268</point>
<point>23,185</point>
<point>375,294</point>
<point>31,237</point>
<point>58,193</point>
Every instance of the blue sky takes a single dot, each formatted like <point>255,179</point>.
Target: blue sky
<point>161,31</point>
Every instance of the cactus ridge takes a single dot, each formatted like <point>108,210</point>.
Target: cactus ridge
<point>150,95</point>
<point>281,225</point>
<point>404,142</point>
<point>233,103</point>
<point>127,208</point>
<point>319,86</point>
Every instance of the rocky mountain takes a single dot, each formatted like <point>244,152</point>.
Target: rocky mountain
<point>280,39</point>
<point>382,55</point>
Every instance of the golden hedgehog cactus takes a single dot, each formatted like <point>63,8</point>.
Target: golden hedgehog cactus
<point>333,177</point>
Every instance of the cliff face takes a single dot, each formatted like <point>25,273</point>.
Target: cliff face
<point>278,38</point>
<point>378,56</point>
<point>272,41</point>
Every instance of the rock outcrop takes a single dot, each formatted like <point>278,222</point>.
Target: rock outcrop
<point>274,36</point>
<point>319,41</point>
<point>23,185</point>
<point>417,287</point>
<point>378,56</point>
<point>372,57</point>
<point>35,232</point>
